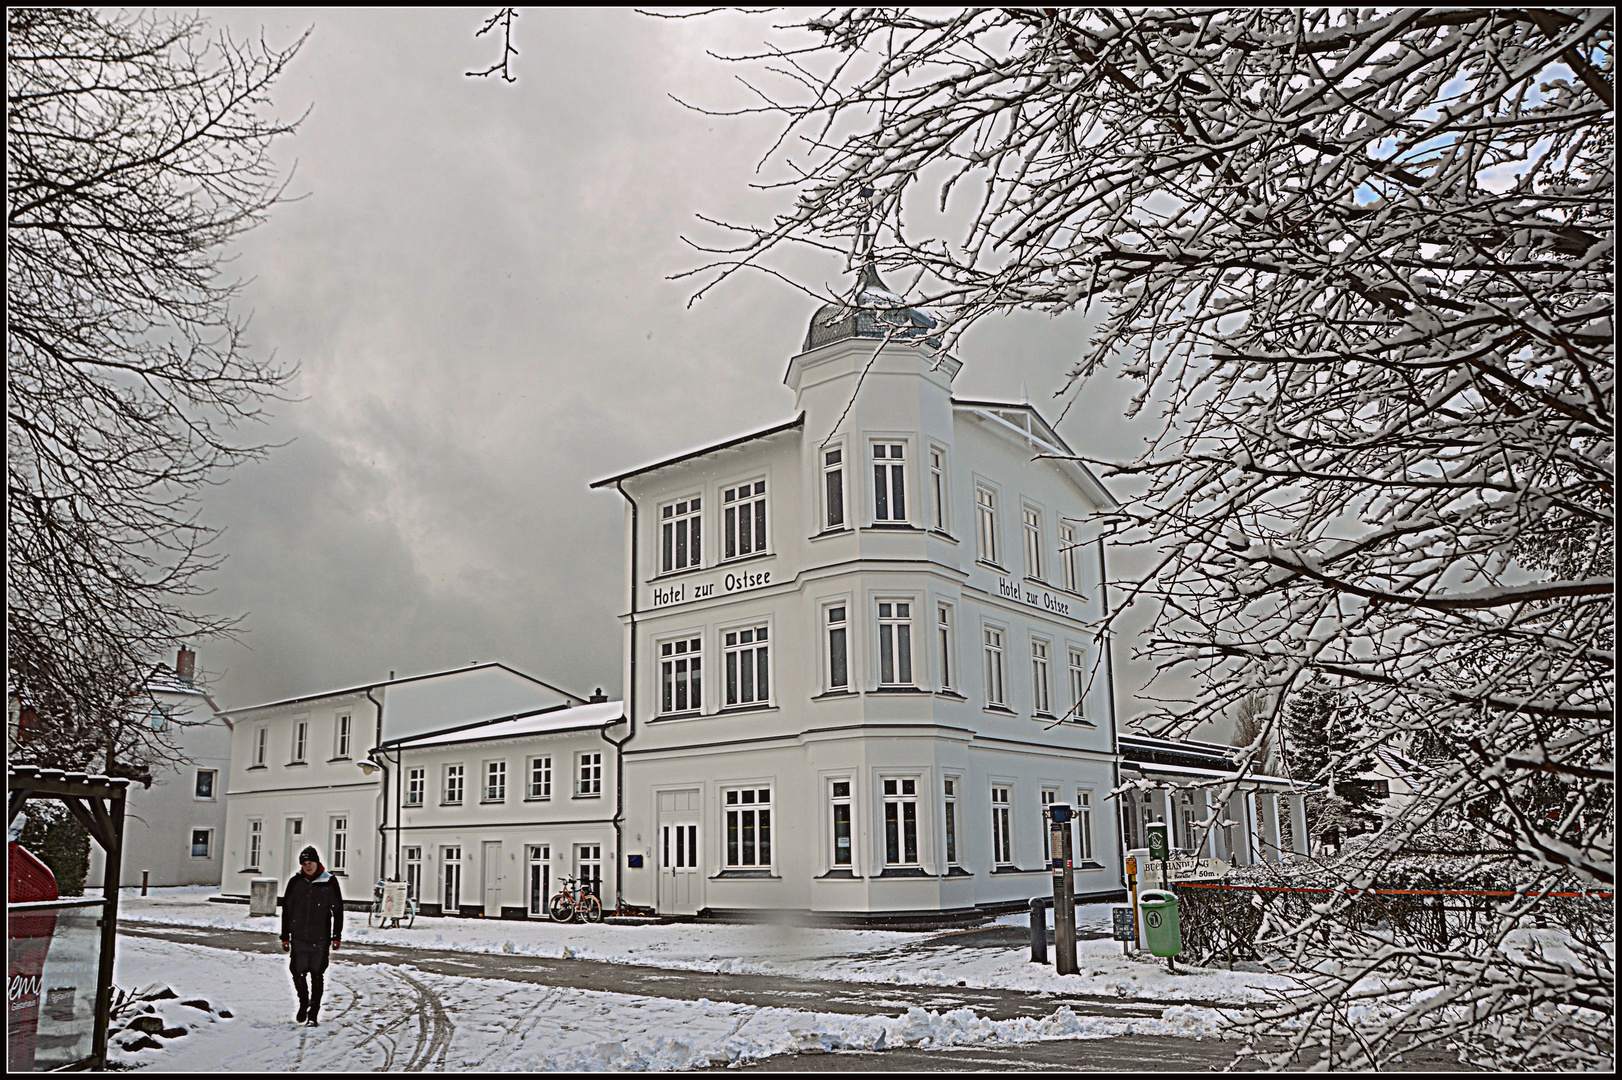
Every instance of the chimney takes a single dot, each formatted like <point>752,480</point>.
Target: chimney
<point>599,697</point>
<point>186,664</point>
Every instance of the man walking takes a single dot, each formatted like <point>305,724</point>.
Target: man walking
<point>312,920</point>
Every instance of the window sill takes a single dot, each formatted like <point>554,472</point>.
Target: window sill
<point>943,535</point>
<point>678,716</point>
<point>897,690</point>
<point>204,798</point>
<point>1001,710</point>
<point>537,798</point>
<point>903,871</point>
<point>413,806</point>
<point>456,803</point>
<point>730,709</point>
<point>683,572</point>
<point>256,768</point>
<point>1049,717</point>
<point>297,764</point>
<point>1089,866</point>
<point>957,871</point>
<point>1014,870</point>
<point>491,802</point>
<point>740,875</point>
<point>838,875</point>
<point>751,557</point>
<point>587,795</point>
<point>991,566</point>
<point>891,526</point>
<point>246,870</point>
<point>341,757</point>
<point>836,694</point>
<point>953,694</point>
<point>843,530</point>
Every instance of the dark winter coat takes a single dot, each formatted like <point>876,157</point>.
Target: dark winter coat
<point>313,909</point>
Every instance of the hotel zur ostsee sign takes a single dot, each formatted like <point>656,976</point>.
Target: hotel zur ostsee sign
<point>731,582</point>
<point>1037,598</point>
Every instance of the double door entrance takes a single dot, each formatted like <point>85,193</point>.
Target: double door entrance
<point>681,881</point>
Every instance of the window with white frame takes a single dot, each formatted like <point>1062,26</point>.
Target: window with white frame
<point>1002,835</point>
<point>943,636</point>
<point>1084,825</point>
<point>937,488</point>
<point>833,488</point>
<point>744,656</point>
<point>951,784</point>
<point>495,781</point>
<point>341,740</point>
<point>301,732</point>
<point>895,643</point>
<point>588,868</point>
<point>679,534</point>
<point>748,813</point>
<point>994,668</point>
<point>204,788</point>
<point>589,773</point>
<point>838,649</point>
<point>540,777</point>
<point>1078,682</point>
<point>1041,678</point>
<point>413,871</point>
<point>1069,556</point>
<point>451,897</point>
<point>889,482</point>
<point>839,802</point>
<point>416,785</point>
<point>256,843</point>
<point>261,739</point>
<point>1032,518</point>
<point>158,718</point>
<point>900,821</point>
<point>985,518</point>
<point>340,844</point>
<point>679,675</point>
<point>1050,795</point>
<point>455,775</point>
<point>743,519</point>
<point>202,843</point>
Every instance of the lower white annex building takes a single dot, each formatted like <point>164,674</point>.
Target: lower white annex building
<point>861,650</point>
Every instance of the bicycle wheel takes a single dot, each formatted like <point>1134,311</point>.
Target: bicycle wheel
<point>410,914</point>
<point>591,909</point>
<point>561,908</point>
<point>374,914</point>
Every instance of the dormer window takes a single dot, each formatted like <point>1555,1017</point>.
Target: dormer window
<point>678,529</point>
<point>743,519</point>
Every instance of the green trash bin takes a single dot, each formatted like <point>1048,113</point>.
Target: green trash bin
<point>1160,926</point>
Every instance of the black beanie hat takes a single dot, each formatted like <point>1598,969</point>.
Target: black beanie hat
<point>308,855</point>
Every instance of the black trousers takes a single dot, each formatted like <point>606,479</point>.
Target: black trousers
<point>310,960</point>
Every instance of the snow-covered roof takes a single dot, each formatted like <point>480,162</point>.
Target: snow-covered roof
<point>551,721</point>
<point>872,312</point>
<point>397,682</point>
<point>701,451</point>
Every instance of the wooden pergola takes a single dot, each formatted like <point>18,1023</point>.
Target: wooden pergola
<point>98,803</point>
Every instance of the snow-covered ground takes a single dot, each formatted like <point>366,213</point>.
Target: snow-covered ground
<point>866,956</point>
<point>382,1017</point>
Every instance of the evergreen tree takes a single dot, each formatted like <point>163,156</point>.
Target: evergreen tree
<point>1322,746</point>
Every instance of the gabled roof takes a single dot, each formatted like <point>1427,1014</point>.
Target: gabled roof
<point>552,721</point>
<point>397,682</point>
<point>701,451</point>
<point>1021,420</point>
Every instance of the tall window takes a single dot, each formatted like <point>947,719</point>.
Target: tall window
<point>833,486</point>
<point>256,843</point>
<point>937,489</point>
<point>994,682</point>
<point>588,861</point>
<point>678,534</point>
<point>454,776</point>
<point>895,643</point>
<point>1078,683</point>
<point>679,675</point>
<point>838,649</point>
<point>901,822</point>
<point>345,722</point>
<point>416,781</point>
<point>951,821</point>
<point>1084,825</point>
<point>1002,837</point>
<point>1033,542</point>
<point>744,519</point>
<point>749,828</point>
<point>746,666</point>
<point>540,777</point>
<point>495,781</point>
<point>889,482</point>
<point>985,516</point>
<point>943,632</point>
<point>413,872</point>
<point>591,774</point>
<point>340,843</point>
<point>301,731</point>
<point>260,740</point>
<point>453,878</point>
<point>540,879</point>
<point>1041,680</point>
<point>841,822</point>
<point>1069,554</point>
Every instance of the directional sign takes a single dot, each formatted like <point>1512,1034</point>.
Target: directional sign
<point>1158,847</point>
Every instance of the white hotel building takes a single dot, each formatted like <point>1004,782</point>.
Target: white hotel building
<point>860,656</point>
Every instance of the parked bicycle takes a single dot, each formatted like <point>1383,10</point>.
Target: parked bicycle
<point>574,901</point>
<point>393,907</point>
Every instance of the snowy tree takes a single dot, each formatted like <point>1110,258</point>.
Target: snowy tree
<point>1359,264</point>
<point>134,152</point>
<point>1324,744</point>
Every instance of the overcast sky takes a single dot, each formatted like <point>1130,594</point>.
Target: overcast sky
<point>475,286</point>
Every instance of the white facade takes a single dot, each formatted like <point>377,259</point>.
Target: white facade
<point>491,817</point>
<point>300,772</point>
<point>173,829</point>
<point>889,609</point>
